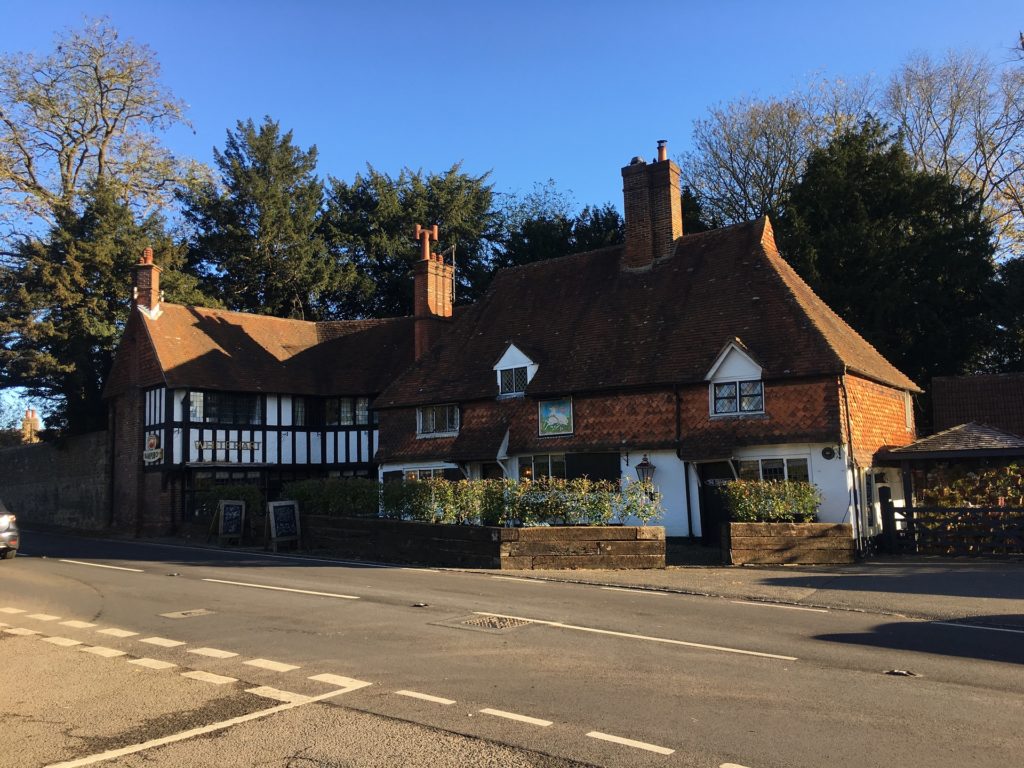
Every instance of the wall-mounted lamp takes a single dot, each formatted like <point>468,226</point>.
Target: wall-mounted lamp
<point>645,470</point>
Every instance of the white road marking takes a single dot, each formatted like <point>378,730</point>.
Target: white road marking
<point>649,638</point>
<point>631,743</point>
<point>282,589</point>
<point>516,578</point>
<point>209,677</point>
<point>635,591</point>
<point>74,624</point>
<point>273,666</point>
<point>273,693</point>
<point>341,682</point>
<point>152,663</point>
<point>978,626</point>
<point>517,718</point>
<point>100,565</point>
<point>425,697</point>
<point>731,765</point>
<point>212,728</point>
<point>11,610</point>
<point>20,631</point>
<point>99,650</point>
<point>213,653</point>
<point>163,642</point>
<point>63,642</point>
<point>42,617</point>
<point>778,605</point>
<point>115,632</point>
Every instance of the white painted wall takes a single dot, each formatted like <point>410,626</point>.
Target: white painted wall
<point>670,482</point>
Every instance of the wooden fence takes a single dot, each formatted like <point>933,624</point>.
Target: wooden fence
<point>966,530</point>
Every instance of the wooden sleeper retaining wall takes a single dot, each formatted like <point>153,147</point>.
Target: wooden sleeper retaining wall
<point>471,546</point>
<point>777,543</point>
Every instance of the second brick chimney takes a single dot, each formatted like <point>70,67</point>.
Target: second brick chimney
<point>146,289</point>
<point>433,289</point>
<point>653,210</point>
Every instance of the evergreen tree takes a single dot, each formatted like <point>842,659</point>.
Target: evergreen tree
<point>369,223</point>
<point>65,299</point>
<point>256,239</point>
<point>904,256</point>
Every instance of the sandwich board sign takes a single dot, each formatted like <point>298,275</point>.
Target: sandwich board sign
<point>283,521</point>
<point>230,519</point>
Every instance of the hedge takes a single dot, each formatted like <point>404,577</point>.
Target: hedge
<point>763,501</point>
<point>342,496</point>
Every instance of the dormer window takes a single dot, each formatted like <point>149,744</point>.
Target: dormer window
<point>512,380</point>
<point>733,397</point>
<point>437,420</point>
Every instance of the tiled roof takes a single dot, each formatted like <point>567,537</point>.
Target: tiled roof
<point>964,437</point>
<point>996,399</point>
<point>216,349</point>
<point>591,326</point>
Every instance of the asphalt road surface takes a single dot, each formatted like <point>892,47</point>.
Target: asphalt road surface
<point>131,654</point>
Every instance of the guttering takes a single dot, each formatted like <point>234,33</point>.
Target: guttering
<point>686,464</point>
<point>851,463</point>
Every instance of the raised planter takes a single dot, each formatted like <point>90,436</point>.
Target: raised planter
<point>472,546</point>
<point>775,543</point>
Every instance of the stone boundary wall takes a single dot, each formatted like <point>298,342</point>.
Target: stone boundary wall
<point>469,546</point>
<point>64,485</point>
<point>775,543</point>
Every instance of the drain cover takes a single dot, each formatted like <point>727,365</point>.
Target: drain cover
<point>187,614</point>
<point>496,622</point>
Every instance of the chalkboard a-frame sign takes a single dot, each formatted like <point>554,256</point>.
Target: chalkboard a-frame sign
<point>230,520</point>
<point>283,519</point>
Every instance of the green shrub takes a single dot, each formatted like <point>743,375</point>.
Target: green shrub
<point>953,486</point>
<point>208,496</point>
<point>761,501</point>
<point>336,496</point>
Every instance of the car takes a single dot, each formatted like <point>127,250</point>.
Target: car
<point>9,537</point>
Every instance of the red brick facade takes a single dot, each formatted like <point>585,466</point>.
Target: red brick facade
<point>879,417</point>
<point>654,213</point>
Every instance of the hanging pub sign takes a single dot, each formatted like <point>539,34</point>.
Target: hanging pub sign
<point>555,417</point>
<point>282,522</point>
<point>153,453</point>
<point>231,519</point>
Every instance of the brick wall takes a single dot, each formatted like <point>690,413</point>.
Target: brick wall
<point>878,418</point>
<point>59,485</point>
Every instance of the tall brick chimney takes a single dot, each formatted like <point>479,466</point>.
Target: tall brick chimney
<point>30,427</point>
<point>653,207</point>
<point>146,293</point>
<point>433,289</point>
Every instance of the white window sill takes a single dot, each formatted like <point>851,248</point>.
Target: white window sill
<point>431,435</point>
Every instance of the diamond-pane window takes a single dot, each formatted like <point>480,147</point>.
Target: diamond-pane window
<point>738,397</point>
<point>751,396</point>
<point>513,380</point>
<point>725,398</point>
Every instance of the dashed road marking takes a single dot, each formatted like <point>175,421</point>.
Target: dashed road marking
<point>213,653</point>
<point>278,695</point>
<point>163,642</point>
<point>115,632</point>
<point>152,663</point>
<point>20,631</point>
<point>43,617</point>
<point>209,677</point>
<point>338,680</point>
<point>8,609</point>
<point>273,666</point>
<point>100,565</point>
<point>75,624</point>
<point>649,638</point>
<point>516,717</point>
<point>778,605</point>
<point>631,743</point>
<point>425,697</point>
<point>978,626</point>
<point>63,642</point>
<point>516,578</point>
<point>99,650</point>
<point>282,589</point>
<point>731,765</point>
<point>635,591</point>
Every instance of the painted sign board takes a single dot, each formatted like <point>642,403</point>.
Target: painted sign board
<point>554,417</point>
<point>231,523</point>
<point>283,521</point>
<point>153,452</point>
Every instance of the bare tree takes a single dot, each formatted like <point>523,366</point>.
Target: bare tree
<point>964,116</point>
<point>89,110</point>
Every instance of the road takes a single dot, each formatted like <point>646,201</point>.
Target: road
<point>126,653</point>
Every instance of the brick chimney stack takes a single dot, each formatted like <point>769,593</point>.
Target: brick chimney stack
<point>433,290</point>
<point>146,293</point>
<point>652,202</point>
<point>30,427</point>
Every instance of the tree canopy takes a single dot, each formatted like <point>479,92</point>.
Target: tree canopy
<point>905,256</point>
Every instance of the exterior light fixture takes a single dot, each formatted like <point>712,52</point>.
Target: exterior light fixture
<point>645,470</point>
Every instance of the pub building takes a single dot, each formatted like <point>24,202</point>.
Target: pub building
<point>686,359</point>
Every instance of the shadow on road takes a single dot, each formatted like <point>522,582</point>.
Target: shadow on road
<point>993,638</point>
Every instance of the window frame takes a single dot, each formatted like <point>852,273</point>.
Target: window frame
<point>205,403</point>
<point>736,398</point>
<point>452,420</point>
<point>551,459</point>
<point>515,372</point>
<point>785,467</point>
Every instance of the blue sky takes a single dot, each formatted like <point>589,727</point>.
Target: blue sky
<point>527,90</point>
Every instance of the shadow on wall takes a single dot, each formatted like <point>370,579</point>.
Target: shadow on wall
<point>1002,640</point>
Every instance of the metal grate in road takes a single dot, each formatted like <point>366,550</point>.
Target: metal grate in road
<point>496,622</point>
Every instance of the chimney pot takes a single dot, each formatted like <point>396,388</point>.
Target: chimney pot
<point>662,150</point>
<point>433,289</point>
